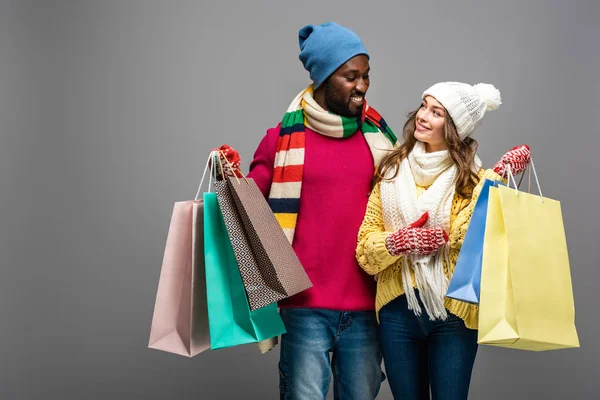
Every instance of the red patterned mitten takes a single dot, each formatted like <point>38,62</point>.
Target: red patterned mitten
<point>414,239</point>
<point>230,160</point>
<point>518,157</point>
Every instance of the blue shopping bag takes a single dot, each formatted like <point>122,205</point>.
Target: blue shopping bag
<point>466,280</point>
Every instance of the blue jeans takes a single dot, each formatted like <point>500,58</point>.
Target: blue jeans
<point>419,353</point>
<point>312,334</point>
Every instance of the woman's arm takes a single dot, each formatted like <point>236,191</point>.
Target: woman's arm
<point>371,251</point>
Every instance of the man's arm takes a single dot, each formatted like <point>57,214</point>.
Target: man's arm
<point>261,167</point>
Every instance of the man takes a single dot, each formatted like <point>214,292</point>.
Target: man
<point>316,169</point>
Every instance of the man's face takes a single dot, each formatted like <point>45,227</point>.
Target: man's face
<point>345,89</point>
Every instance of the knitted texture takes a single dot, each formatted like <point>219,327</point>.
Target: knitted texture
<point>517,158</point>
<point>414,239</point>
<point>335,192</point>
<point>466,104</point>
<point>326,47</point>
<point>229,163</point>
<point>374,258</point>
<point>304,112</point>
<point>402,205</point>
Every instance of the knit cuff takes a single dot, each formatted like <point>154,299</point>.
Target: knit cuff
<point>392,244</point>
<point>373,255</point>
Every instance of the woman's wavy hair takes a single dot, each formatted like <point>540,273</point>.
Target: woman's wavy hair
<point>462,152</point>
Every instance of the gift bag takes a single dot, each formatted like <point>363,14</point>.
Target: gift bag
<point>526,298</point>
<point>180,320</point>
<point>231,321</point>
<point>268,265</point>
<point>261,284</point>
<point>277,261</point>
<point>464,285</point>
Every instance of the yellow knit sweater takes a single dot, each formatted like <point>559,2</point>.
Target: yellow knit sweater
<point>373,257</point>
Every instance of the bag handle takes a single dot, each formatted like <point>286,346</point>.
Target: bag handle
<point>505,176</point>
<point>531,168</point>
<point>211,156</point>
<point>215,156</point>
<point>221,152</point>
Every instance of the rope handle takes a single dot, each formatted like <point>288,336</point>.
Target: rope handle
<point>231,168</point>
<point>212,155</point>
<point>215,156</point>
<point>531,168</point>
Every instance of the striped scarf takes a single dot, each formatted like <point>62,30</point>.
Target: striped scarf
<point>304,112</point>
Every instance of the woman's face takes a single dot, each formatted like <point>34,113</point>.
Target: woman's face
<point>430,120</point>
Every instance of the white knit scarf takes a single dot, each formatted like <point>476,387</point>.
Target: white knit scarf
<point>401,207</point>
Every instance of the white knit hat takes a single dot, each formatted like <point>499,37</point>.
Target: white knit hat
<point>466,104</point>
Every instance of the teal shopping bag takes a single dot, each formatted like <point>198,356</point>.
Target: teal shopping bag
<point>230,320</point>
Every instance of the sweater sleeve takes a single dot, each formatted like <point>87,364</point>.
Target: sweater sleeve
<point>463,219</point>
<point>371,252</point>
<point>261,167</point>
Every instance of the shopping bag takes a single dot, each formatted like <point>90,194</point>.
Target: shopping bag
<point>231,322</point>
<point>464,285</point>
<point>526,298</point>
<point>261,288</point>
<point>180,319</point>
<point>277,262</point>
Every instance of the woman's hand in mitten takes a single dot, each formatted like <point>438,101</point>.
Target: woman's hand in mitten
<point>517,158</point>
<point>414,239</point>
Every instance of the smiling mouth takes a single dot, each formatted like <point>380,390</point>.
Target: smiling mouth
<point>422,127</point>
<point>357,99</point>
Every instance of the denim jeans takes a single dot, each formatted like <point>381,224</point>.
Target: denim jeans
<point>419,353</point>
<point>305,365</point>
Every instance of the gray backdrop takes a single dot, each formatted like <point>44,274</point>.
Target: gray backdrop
<point>109,108</point>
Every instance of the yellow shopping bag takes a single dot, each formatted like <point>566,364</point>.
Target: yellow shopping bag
<point>526,299</point>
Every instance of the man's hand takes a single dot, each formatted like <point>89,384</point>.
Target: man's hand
<point>229,160</point>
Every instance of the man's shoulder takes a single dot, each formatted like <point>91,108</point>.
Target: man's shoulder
<point>272,136</point>
<point>268,143</point>
<point>274,131</point>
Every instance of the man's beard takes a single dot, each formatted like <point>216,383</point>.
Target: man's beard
<point>337,104</point>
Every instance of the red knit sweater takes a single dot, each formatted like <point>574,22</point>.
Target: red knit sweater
<point>335,192</point>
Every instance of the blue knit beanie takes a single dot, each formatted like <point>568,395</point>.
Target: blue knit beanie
<point>324,48</point>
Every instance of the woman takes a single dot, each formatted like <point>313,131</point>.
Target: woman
<point>416,219</point>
